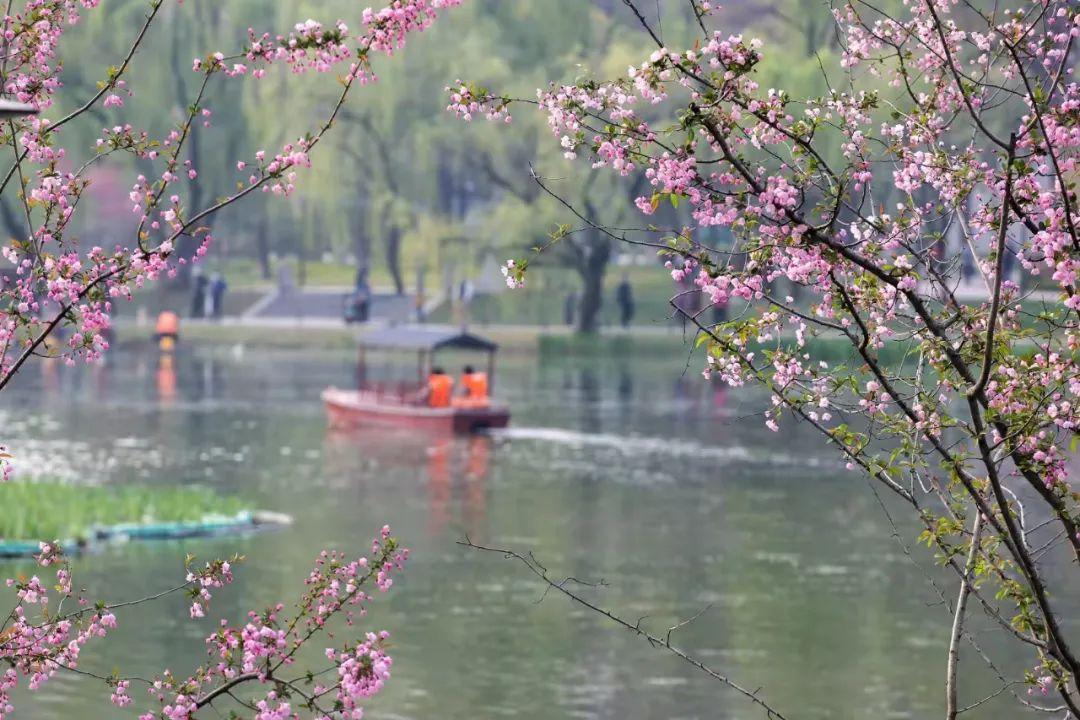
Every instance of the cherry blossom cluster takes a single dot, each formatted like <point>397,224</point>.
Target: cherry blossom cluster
<point>214,574</point>
<point>264,650</point>
<point>466,101</point>
<point>514,273</point>
<point>50,624</point>
<point>44,635</point>
<point>315,47</point>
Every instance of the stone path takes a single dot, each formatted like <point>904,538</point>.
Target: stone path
<point>327,304</point>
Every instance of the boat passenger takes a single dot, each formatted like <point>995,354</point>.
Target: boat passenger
<point>476,386</point>
<point>440,388</point>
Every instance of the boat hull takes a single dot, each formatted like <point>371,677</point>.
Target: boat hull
<point>349,409</point>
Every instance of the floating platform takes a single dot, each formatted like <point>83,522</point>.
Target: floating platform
<point>210,526</point>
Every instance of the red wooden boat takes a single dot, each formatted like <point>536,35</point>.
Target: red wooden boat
<point>402,404</point>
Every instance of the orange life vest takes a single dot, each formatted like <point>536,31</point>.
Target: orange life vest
<point>440,388</point>
<point>476,385</point>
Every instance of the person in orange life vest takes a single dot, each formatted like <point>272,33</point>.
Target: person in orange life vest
<point>476,386</point>
<point>440,388</point>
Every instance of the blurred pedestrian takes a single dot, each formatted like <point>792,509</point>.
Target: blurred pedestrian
<point>198,297</point>
<point>218,286</point>
<point>570,308</point>
<point>967,267</point>
<point>624,298</point>
<point>361,300</point>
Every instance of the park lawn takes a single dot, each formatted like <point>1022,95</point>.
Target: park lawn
<point>246,285</point>
<point>178,300</point>
<point>246,273</point>
<point>49,510</point>
<point>541,302</point>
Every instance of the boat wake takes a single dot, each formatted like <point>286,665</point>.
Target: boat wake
<point>644,445</point>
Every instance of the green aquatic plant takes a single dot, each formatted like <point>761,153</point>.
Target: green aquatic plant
<point>51,510</point>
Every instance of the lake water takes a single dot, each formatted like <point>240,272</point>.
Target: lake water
<point>631,470</point>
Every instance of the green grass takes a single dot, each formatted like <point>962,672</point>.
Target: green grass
<point>163,297</point>
<point>543,298</point>
<point>50,510</point>
<point>541,301</point>
<point>246,272</point>
<point>832,349</point>
<point>595,346</point>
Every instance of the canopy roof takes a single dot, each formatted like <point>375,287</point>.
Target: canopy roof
<point>424,337</point>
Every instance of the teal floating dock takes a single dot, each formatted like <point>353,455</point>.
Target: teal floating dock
<point>242,523</point>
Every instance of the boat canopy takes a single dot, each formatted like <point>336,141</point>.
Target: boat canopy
<point>424,338</point>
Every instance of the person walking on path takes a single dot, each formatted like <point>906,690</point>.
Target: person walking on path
<point>198,298</point>
<point>624,298</point>
<point>570,308</point>
<point>218,286</point>
<point>361,299</point>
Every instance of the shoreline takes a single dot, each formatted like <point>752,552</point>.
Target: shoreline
<point>299,333</point>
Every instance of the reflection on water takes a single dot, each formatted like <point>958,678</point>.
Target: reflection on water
<point>166,378</point>
<point>630,470</point>
<point>455,471</point>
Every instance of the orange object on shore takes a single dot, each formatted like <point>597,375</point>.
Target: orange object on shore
<point>168,324</point>
<point>440,389</point>
<point>168,330</point>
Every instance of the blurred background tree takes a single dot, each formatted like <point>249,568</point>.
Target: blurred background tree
<point>415,197</point>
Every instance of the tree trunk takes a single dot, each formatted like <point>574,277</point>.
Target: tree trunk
<point>262,244</point>
<point>301,265</point>
<point>446,189</point>
<point>361,239</point>
<point>362,249</point>
<point>592,268</point>
<point>393,259</point>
